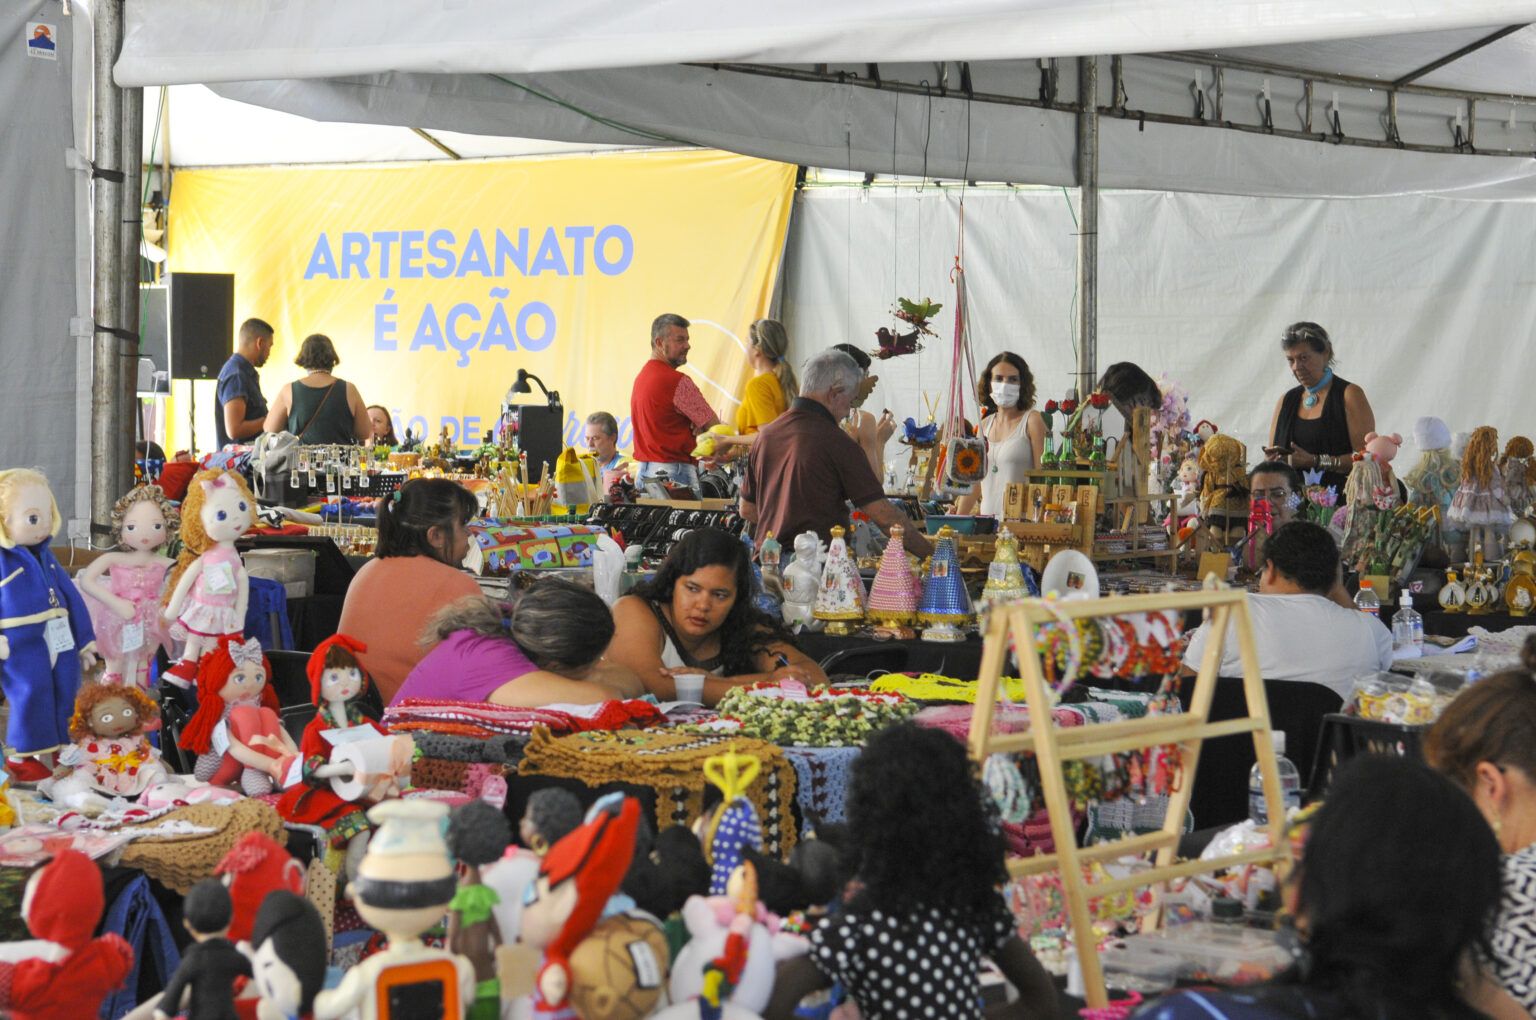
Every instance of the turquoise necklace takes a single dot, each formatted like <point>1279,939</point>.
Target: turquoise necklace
<point>1310,400</point>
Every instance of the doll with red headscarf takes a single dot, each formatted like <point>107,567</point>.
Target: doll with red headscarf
<point>64,973</point>
<point>236,732</point>
<point>337,681</point>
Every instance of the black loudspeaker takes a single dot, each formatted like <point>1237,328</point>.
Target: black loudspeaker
<point>538,435</point>
<point>202,323</point>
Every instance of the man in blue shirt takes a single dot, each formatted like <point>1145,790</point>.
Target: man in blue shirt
<point>242,408</point>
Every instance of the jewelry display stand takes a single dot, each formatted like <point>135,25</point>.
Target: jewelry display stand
<point>1017,622</point>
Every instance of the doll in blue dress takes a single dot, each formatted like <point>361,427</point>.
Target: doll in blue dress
<point>46,639</point>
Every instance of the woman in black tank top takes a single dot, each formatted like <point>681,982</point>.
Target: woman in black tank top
<point>1321,422</point>
<point>320,408</point>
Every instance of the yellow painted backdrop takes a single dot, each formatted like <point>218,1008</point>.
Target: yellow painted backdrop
<point>438,281</point>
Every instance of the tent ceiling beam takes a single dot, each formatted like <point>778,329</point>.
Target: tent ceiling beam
<point>1384,101</point>
<point>436,144</point>
<point>1451,58</point>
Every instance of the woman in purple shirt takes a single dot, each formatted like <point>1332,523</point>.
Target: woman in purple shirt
<point>547,649</point>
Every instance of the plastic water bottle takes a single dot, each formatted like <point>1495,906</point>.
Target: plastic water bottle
<point>1366,600</point>
<point>1407,626</point>
<point>1290,782</point>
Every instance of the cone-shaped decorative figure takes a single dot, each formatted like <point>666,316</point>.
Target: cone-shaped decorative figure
<point>945,607</point>
<point>1005,578</point>
<point>892,601</point>
<point>840,596</point>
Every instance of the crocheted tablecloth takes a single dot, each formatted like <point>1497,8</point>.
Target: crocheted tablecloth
<point>672,764</point>
<point>823,774</point>
<point>180,862</point>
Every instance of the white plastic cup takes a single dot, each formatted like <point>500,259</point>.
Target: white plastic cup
<point>690,686</point>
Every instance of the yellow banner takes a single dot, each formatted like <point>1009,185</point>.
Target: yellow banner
<point>437,282</point>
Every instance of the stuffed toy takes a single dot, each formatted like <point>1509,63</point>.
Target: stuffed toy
<point>1224,489</point>
<point>337,682</point>
<point>404,884</point>
<point>64,973</point>
<point>210,966</point>
<point>288,956</point>
<point>1518,467</point>
<point>236,749</point>
<point>576,879</point>
<point>111,757</point>
<point>734,823</point>
<point>478,834</point>
<point>1479,507</point>
<point>255,867</point>
<point>1370,481</point>
<point>1433,480</point>
<point>46,638</point>
<point>550,814</point>
<point>668,868</point>
<point>620,970</point>
<point>209,585</point>
<point>125,610</point>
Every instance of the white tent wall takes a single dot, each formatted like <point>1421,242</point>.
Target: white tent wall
<point>1429,301</point>
<point>45,266</point>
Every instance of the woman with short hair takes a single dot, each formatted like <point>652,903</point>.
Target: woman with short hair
<point>320,409</point>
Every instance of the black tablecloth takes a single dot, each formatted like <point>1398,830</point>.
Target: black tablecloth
<point>960,659</point>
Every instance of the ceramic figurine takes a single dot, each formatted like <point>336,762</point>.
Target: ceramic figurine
<point>111,757</point>
<point>1453,597</point>
<point>63,973</point>
<point>892,601</point>
<point>211,964</point>
<point>46,638</point>
<point>478,834</point>
<point>209,586</point>
<point>1005,578</point>
<point>946,606</point>
<point>802,579</point>
<point>403,886</point>
<point>1479,506</point>
<point>840,590</point>
<point>125,609</point>
<point>288,956</point>
<point>236,733</point>
<point>337,682</point>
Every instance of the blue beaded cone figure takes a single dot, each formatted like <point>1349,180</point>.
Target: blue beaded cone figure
<point>945,605</point>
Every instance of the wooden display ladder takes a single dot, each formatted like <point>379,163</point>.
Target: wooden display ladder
<point>1053,747</point>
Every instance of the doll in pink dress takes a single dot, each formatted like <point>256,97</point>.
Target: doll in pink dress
<point>125,610</point>
<point>1479,507</point>
<point>209,585</point>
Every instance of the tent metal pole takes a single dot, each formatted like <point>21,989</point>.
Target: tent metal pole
<point>1088,224</point>
<point>131,234</point>
<point>107,481</point>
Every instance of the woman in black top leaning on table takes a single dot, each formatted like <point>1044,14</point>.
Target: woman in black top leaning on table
<point>1321,422</point>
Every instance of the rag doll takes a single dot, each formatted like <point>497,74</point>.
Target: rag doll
<point>62,974</point>
<point>125,609</point>
<point>1433,480</point>
<point>1224,489</point>
<point>254,868</point>
<point>337,681</point>
<point>550,815</point>
<point>46,638</point>
<point>211,964</point>
<point>1478,507</point>
<point>478,834</point>
<point>236,732</point>
<point>1369,491</point>
<point>110,756</point>
<point>288,956</point>
<point>209,585</point>
<point>1519,470</point>
<point>734,947</point>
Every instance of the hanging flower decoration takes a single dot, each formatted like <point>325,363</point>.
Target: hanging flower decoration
<point>1068,406</point>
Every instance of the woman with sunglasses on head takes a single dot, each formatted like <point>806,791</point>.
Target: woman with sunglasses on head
<point>1320,423</point>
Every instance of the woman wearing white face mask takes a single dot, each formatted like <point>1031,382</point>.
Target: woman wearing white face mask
<point>1014,431</point>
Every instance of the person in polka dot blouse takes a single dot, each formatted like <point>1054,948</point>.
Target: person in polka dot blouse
<point>925,907</point>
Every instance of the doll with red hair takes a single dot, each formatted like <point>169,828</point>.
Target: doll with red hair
<point>337,682</point>
<point>236,732</point>
<point>64,973</point>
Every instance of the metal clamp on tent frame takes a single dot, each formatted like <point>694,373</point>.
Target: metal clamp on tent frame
<point>1052,747</point>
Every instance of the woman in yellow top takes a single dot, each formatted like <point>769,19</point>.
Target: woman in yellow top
<point>771,389</point>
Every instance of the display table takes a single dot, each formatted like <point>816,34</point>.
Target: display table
<point>960,659</point>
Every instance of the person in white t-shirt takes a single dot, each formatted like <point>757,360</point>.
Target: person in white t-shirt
<point>1302,633</point>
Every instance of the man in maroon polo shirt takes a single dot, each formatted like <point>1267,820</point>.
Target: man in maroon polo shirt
<point>804,470</point>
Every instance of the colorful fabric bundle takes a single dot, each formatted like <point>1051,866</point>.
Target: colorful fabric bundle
<point>672,764</point>
<point>933,687</point>
<point>508,548</point>
<point>824,717</point>
<point>477,719</point>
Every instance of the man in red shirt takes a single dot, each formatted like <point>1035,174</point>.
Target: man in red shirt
<point>804,470</point>
<point>666,409</point>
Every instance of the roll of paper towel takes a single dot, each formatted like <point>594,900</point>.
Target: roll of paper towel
<point>381,767</point>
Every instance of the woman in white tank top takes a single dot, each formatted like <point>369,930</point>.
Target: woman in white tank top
<point>1013,430</point>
